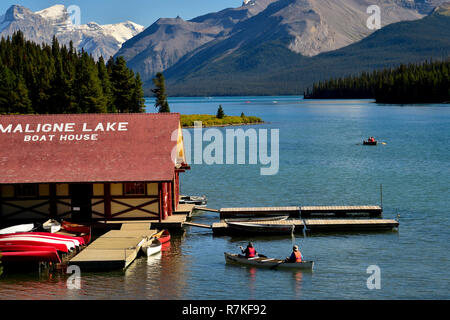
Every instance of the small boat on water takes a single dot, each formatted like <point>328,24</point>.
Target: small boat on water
<point>163,236</point>
<point>18,228</point>
<point>151,247</point>
<point>370,143</point>
<point>260,228</point>
<point>273,218</point>
<point>197,200</point>
<point>264,262</point>
<point>51,226</point>
<point>75,227</point>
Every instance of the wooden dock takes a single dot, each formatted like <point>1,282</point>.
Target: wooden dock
<point>322,225</point>
<point>116,249</point>
<point>226,213</point>
<point>340,211</point>
<point>303,212</point>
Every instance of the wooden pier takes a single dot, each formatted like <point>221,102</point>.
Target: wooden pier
<point>340,211</point>
<point>322,225</point>
<point>116,249</point>
<point>226,213</point>
<point>303,212</point>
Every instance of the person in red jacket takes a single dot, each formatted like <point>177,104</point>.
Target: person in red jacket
<point>250,251</point>
<point>296,255</point>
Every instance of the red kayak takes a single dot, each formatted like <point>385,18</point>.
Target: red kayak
<point>70,243</point>
<point>12,247</point>
<point>76,240</point>
<point>30,256</point>
<point>164,237</point>
<point>75,227</point>
<point>36,242</point>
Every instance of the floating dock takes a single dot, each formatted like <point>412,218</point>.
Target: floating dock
<point>116,249</point>
<point>303,212</point>
<point>321,225</point>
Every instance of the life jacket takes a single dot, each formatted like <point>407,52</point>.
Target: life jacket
<point>251,252</point>
<point>298,256</point>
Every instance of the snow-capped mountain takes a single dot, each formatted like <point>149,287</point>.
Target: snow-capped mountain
<point>41,26</point>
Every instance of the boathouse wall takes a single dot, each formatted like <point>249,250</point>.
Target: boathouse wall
<point>108,201</point>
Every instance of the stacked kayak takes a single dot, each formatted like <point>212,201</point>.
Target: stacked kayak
<point>27,248</point>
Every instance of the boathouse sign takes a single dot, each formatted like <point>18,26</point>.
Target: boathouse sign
<point>62,131</point>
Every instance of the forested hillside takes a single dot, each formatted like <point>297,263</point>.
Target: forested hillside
<point>412,83</point>
<point>48,79</point>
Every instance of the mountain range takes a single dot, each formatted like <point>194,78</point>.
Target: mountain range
<point>299,28</point>
<point>271,68</point>
<point>41,26</point>
<point>261,47</point>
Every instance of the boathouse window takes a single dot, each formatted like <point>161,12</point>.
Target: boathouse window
<point>26,190</point>
<point>134,189</point>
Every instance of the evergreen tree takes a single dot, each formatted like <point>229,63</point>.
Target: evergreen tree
<point>220,113</point>
<point>122,85</point>
<point>87,89</point>
<point>160,93</point>
<point>137,99</point>
<point>19,100</point>
<point>103,74</point>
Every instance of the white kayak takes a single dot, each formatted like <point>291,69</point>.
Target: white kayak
<point>52,226</point>
<point>19,228</point>
<point>265,262</point>
<point>151,247</point>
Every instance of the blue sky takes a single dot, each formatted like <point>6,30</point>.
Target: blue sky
<point>144,12</point>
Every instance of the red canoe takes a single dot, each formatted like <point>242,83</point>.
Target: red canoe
<point>30,256</point>
<point>165,236</point>
<point>37,242</point>
<point>75,227</point>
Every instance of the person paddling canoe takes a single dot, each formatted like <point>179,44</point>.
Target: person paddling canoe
<point>296,255</point>
<point>250,251</point>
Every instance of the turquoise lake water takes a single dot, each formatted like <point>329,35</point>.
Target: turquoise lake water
<point>321,162</point>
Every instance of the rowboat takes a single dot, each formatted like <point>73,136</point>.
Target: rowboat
<point>18,228</point>
<point>30,256</point>
<point>151,247</point>
<point>163,236</point>
<point>370,143</point>
<point>274,218</point>
<point>51,226</point>
<point>75,227</point>
<point>264,262</point>
<point>197,200</point>
<point>260,228</point>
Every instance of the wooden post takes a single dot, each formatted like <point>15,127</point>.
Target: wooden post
<point>53,206</point>
<point>160,202</point>
<point>107,196</point>
<point>381,195</point>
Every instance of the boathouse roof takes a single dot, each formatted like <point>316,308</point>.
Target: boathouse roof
<point>89,148</point>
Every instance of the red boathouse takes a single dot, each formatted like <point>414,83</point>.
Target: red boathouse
<point>87,167</point>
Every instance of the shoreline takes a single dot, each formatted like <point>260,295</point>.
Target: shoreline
<point>225,125</point>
